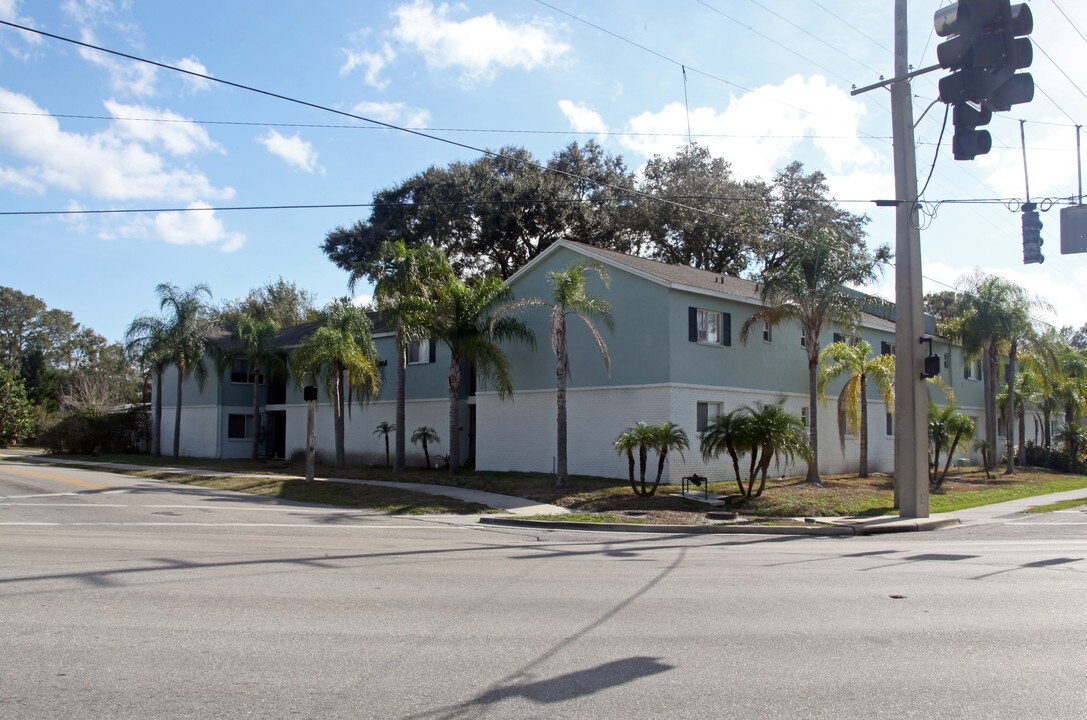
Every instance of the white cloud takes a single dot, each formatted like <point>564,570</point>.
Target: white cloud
<point>1065,288</point>
<point>199,226</point>
<point>111,164</point>
<point>763,129</point>
<point>395,113</point>
<point>191,64</point>
<point>480,45</point>
<point>582,118</point>
<point>17,180</point>
<point>293,150</point>
<point>374,62</point>
<point>9,10</point>
<point>87,12</point>
<point>177,134</point>
<point>125,76</point>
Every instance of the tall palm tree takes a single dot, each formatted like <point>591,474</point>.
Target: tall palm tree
<point>405,282</point>
<point>853,361</point>
<point>253,340</point>
<point>146,343</point>
<point>809,288</point>
<point>341,351</point>
<point>569,297</point>
<point>187,324</point>
<point>473,319</point>
<point>385,428</point>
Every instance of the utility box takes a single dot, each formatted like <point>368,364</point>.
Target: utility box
<point>1074,230</point>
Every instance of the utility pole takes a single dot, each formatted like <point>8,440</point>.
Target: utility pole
<point>911,394</point>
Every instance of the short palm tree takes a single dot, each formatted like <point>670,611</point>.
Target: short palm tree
<point>729,433</point>
<point>473,319</point>
<point>947,427</point>
<point>1073,439</point>
<point>385,428</point>
<point>984,447</point>
<point>775,435</point>
<point>425,435</point>
<point>341,351</point>
<point>569,297</point>
<point>853,361</point>
<point>643,437</point>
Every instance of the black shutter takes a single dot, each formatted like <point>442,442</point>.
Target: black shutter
<point>692,324</point>
<point>885,348</point>
<point>837,337</point>
<point>433,351</point>
<point>726,329</point>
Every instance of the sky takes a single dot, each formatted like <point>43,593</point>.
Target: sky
<point>759,82</point>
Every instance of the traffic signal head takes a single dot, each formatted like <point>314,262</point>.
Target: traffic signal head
<point>1032,235</point>
<point>985,48</point>
<point>968,141</point>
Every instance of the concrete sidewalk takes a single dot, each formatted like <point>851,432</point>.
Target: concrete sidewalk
<point>512,505</point>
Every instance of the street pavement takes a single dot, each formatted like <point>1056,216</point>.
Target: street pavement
<point>130,598</point>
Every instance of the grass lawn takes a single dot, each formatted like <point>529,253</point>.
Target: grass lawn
<point>1066,505</point>
<point>608,500</point>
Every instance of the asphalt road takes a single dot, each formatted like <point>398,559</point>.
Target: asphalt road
<point>123,598</point>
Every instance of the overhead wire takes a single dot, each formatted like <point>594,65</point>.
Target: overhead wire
<point>1071,22</point>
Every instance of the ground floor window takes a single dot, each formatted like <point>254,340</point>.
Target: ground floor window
<point>890,425</point>
<point>707,411</point>
<point>804,416</point>
<point>239,427</point>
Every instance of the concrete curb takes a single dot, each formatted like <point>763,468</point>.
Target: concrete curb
<point>835,530</point>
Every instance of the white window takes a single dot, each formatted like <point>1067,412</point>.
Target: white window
<point>803,337</point>
<point>706,412</point>
<point>804,416</point>
<point>766,332</point>
<point>849,340</point>
<point>239,427</point>
<point>419,352</point>
<point>971,370</point>
<point>709,326</point>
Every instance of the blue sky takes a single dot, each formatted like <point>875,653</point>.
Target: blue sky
<point>767,82</point>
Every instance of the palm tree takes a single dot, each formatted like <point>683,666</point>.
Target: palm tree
<point>404,283</point>
<point>569,297</point>
<point>641,437</point>
<point>425,435</point>
<point>983,446</point>
<point>839,359</point>
<point>727,433</point>
<point>341,350</point>
<point>946,428</point>
<point>254,341</point>
<point>775,434</point>
<point>186,326</point>
<point>384,428</point>
<point>473,319</point>
<point>667,437</point>
<point>994,315</point>
<point>809,288</point>
<point>145,342</point>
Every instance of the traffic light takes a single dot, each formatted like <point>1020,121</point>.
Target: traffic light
<point>1032,235</point>
<point>968,141</point>
<point>986,46</point>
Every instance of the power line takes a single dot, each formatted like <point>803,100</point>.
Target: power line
<point>845,22</point>
<point>1071,22</point>
<point>1056,65</point>
<point>353,116</point>
<point>677,63</point>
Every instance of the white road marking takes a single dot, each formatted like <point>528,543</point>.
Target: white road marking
<point>246,525</point>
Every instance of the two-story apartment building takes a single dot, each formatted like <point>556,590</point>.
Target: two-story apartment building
<point>675,355</point>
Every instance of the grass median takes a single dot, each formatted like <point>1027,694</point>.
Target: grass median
<point>596,499</point>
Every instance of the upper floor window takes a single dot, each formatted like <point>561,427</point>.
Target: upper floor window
<point>767,331</point>
<point>803,338</point>
<point>709,326</point>
<point>849,340</point>
<point>886,348</point>
<point>421,352</point>
<point>239,373</point>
